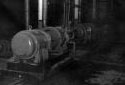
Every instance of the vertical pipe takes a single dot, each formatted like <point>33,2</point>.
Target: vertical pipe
<point>76,10</point>
<point>27,13</point>
<point>45,5</point>
<point>80,10</point>
<point>40,10</point>
<point>66,12</point>
<point>40,13</point>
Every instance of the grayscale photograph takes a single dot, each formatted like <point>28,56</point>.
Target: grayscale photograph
<point>62,42</point>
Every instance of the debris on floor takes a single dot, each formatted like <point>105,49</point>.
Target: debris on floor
<point>110,77</point>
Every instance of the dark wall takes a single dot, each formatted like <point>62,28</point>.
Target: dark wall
<point>120,10</point>
<point>12,16</point>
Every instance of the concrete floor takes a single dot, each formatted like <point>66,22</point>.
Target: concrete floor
<point>74,74</point>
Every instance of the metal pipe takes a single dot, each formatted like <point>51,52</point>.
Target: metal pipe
<point>80,10</point>
<point>40,10</point>
<point>40,13</point>
<point>76,10</point>
<point>66,12</point>
<point>27,13</point>
<point>45,12</point>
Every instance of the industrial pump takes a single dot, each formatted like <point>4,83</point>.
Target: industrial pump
<point>49,44</point>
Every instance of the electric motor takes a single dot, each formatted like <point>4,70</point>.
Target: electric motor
<point>34,45</point>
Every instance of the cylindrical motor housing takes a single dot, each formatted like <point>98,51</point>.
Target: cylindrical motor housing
<point>25,44</point>
<point>37,43</point>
